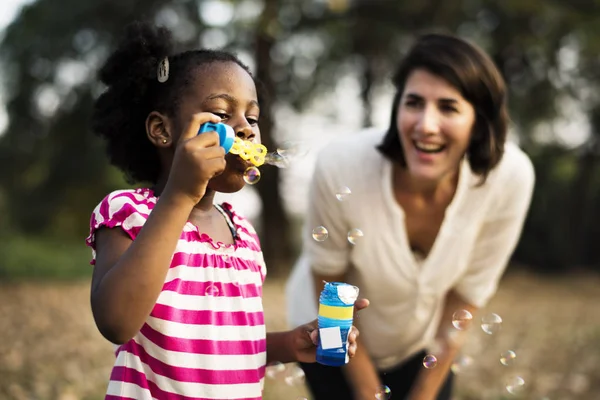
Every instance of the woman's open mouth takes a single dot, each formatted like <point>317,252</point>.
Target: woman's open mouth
<point>429,148</point>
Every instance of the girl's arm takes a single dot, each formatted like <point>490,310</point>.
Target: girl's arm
<point>280,347</point>
<point>129,275</point>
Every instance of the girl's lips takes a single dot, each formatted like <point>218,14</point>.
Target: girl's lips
<point>238,163</point>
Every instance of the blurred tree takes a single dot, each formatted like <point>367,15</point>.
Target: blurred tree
<point>276,244</point>
<point>50,53</point>
<point>547,52</point>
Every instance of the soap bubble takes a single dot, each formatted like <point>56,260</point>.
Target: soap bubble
<point>491,323</point>
<point>277,160</point>
<point>461,319</point>
<point>343,193</point>
<point>515,384</point>
<point>461,363</point>
<point>430,361</point>
<point>320,233</point>
<point>508,358</point>
<point>384,393</point>
<point>251,175</point>
<point>274,369</point>
<point>354,235</point>
<point>212,290</point>
<point>294,376</point>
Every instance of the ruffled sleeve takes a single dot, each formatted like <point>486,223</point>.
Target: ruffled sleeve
<point>126,209</point>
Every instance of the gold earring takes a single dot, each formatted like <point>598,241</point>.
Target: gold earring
<point>164,141</point>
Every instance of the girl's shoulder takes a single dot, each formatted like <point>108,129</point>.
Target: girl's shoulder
<point>128,208</point>
<point>126,201</point>
<point>137,195</point>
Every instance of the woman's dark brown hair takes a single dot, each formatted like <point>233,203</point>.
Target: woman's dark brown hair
<point>474,74</point>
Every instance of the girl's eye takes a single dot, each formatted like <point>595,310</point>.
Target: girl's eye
<point>222,116</point>
<point>252,121</point>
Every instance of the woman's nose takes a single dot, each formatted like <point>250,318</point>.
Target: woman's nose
<point>429,121</point>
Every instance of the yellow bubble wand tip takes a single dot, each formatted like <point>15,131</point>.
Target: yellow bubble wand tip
<point>248,151</point>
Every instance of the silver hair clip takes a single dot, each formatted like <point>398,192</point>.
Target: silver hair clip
<point>163,70</point>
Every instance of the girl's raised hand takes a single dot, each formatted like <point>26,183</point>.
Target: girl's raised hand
<point>197,159</point>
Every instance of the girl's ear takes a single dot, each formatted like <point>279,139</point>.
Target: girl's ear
<point>158,129</point>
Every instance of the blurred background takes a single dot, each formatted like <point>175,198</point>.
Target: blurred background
<point>326,66</point>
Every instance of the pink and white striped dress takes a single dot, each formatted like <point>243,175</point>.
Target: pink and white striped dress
<point>205,337</point>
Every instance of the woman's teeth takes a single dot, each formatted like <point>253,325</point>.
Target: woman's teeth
<point>429,147</point>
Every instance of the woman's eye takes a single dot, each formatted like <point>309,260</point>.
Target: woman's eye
<point>411,103</point>
<point>449,109</point>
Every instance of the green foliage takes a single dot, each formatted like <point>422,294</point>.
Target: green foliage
<point>43,258</point>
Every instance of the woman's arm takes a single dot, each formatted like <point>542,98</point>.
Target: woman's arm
<point>430,381</point>
<point>495,244</point>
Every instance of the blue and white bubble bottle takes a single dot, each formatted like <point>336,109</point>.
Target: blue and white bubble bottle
<point>336,310</point>
<point>226,134</point>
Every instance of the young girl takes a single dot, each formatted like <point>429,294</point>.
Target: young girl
<point>177,280</point>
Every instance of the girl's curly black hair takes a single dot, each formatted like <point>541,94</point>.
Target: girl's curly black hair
<point>133,91</point>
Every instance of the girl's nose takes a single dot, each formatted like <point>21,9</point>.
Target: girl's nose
<point>244,131</point>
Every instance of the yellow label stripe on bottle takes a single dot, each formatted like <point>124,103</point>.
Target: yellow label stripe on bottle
<point>335,312</point>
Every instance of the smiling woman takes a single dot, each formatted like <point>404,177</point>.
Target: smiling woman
<point>441,199</point>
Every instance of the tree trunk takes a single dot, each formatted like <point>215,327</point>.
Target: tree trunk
<point>366,90</point>
<point>581,191</point>
<point>275,226</point>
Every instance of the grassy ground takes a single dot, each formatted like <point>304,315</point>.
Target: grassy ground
<point>50,349</point>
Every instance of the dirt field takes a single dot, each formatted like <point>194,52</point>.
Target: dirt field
<point>50,349</point>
